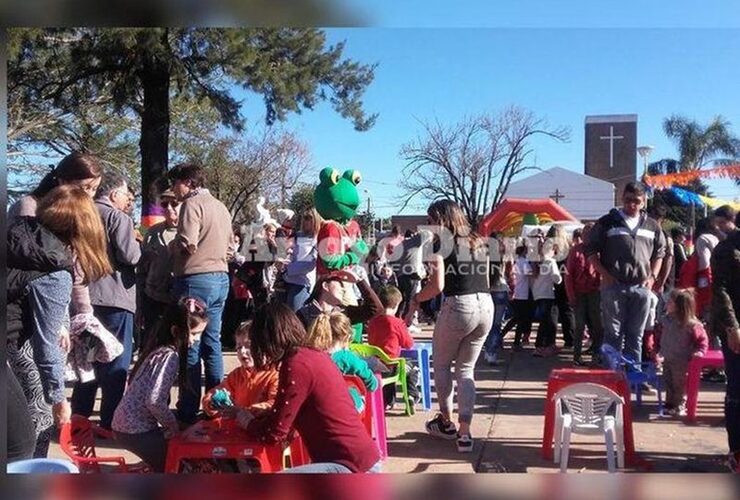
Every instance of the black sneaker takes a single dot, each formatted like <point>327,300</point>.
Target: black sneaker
<point>579,362</point>
<point>439,428</point>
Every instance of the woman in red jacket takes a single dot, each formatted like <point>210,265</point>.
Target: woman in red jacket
<point>312,398</point>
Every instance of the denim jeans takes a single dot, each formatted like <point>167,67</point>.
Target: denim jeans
<point>110,377</point>
<point>624,314</point>
<point>149,446</point>
<point>548,325</point>
<point>407,286</point>
<point>494,340</point>
<point>297,295</point>
<point>732,398</point>
<point>212,289</point>
<point>49,297</point>
<point>587,312</point>
<point>459,333</point>
<point>328,468</point>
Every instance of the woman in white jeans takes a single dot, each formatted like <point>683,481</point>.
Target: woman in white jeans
<point>464,320</point>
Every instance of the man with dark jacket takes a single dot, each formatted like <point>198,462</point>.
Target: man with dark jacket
<point>725,324</point>
<point>627,248</point>
<point>114,300</point>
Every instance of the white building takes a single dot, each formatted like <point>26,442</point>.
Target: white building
<point>586,197</point>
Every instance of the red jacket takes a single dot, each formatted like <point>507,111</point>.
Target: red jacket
<point>313,398</point>
<point>335,239</point>
<point>390,334</point>
<point>581,277</point>
<point>699,281</point>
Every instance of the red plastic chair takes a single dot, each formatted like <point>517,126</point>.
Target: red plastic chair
<point>77,440</point>
<point>298,452</point>
<point>714,359</point>
<point>366,415</point>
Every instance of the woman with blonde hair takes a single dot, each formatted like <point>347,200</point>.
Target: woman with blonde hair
<point>300,273</point>
<point>464,320</point>
<point>63,243</point>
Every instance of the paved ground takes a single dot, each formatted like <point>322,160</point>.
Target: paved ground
<point>508,428</point>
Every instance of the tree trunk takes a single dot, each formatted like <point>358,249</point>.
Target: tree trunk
<point>155,129</point>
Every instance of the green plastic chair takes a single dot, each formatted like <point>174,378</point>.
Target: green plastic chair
<point>399,378</point>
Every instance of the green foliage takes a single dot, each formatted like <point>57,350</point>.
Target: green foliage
<point>698,144</point>
<point>365,219</point>
<point>54,73</point>
<point>678,213</point>
<point>301,200</point>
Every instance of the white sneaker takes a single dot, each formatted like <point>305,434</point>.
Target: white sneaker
<point>414,330</point>
<point>464,443</point>
<point>490,358</point>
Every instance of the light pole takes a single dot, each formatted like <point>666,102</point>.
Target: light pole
<point>370,214</point>
<point>644,152</point>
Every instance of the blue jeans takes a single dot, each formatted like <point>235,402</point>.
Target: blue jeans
<point>212,289</point>
<point>297,295</point>
<point>624,314</point>
<point>110,377</point>
<point>500,306</point>
<point>732,398</point>
<point>328,468</point>
<point>49,297</point>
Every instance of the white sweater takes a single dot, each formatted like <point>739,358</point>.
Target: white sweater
<point>543,286</point>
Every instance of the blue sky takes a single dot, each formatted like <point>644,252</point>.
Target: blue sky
<point>560,74</point>
<point>550,13</point>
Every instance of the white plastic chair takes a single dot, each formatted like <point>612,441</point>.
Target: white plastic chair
<point>584,409</point>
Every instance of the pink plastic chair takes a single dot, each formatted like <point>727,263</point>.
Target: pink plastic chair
<point>377,407</point>
<point>710,359</point>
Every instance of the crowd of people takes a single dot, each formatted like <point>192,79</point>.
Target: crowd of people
<point>88,296</point>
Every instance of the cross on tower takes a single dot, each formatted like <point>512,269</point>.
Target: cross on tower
<point>611,138</point>
<point>557,196</point>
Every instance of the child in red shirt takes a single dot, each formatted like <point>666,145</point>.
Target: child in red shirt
<point>391,334</point>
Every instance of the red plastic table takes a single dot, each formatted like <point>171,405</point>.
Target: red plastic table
<point>615,381</point>
<point>711,358</point>
<point>219,439</point>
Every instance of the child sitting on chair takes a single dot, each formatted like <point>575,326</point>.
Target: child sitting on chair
<point>331,333</point>
<point>143,421</point>
<point>245,387</point>
<point>683,337</point>
<point>390,334</point>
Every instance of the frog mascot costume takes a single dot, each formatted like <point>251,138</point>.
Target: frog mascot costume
<point>339,239</point>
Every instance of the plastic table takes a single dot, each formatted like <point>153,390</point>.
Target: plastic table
<point>219,439</point>
<point>421,353</point>
<point>712,358</point>
<point>615,381</point>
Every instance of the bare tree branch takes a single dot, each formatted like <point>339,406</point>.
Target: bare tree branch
<point>463,162</point>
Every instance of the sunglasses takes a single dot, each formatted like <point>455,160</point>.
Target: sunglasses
<point>171,204</point>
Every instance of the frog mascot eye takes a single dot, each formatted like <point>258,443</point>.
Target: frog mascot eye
<point>353,176</point>
<point>329,176</point>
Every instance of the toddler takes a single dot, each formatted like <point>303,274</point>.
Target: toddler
<point>683,337</point>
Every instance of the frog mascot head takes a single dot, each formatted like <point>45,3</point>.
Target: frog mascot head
<point>340,241</point>
<point>336,196</point>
